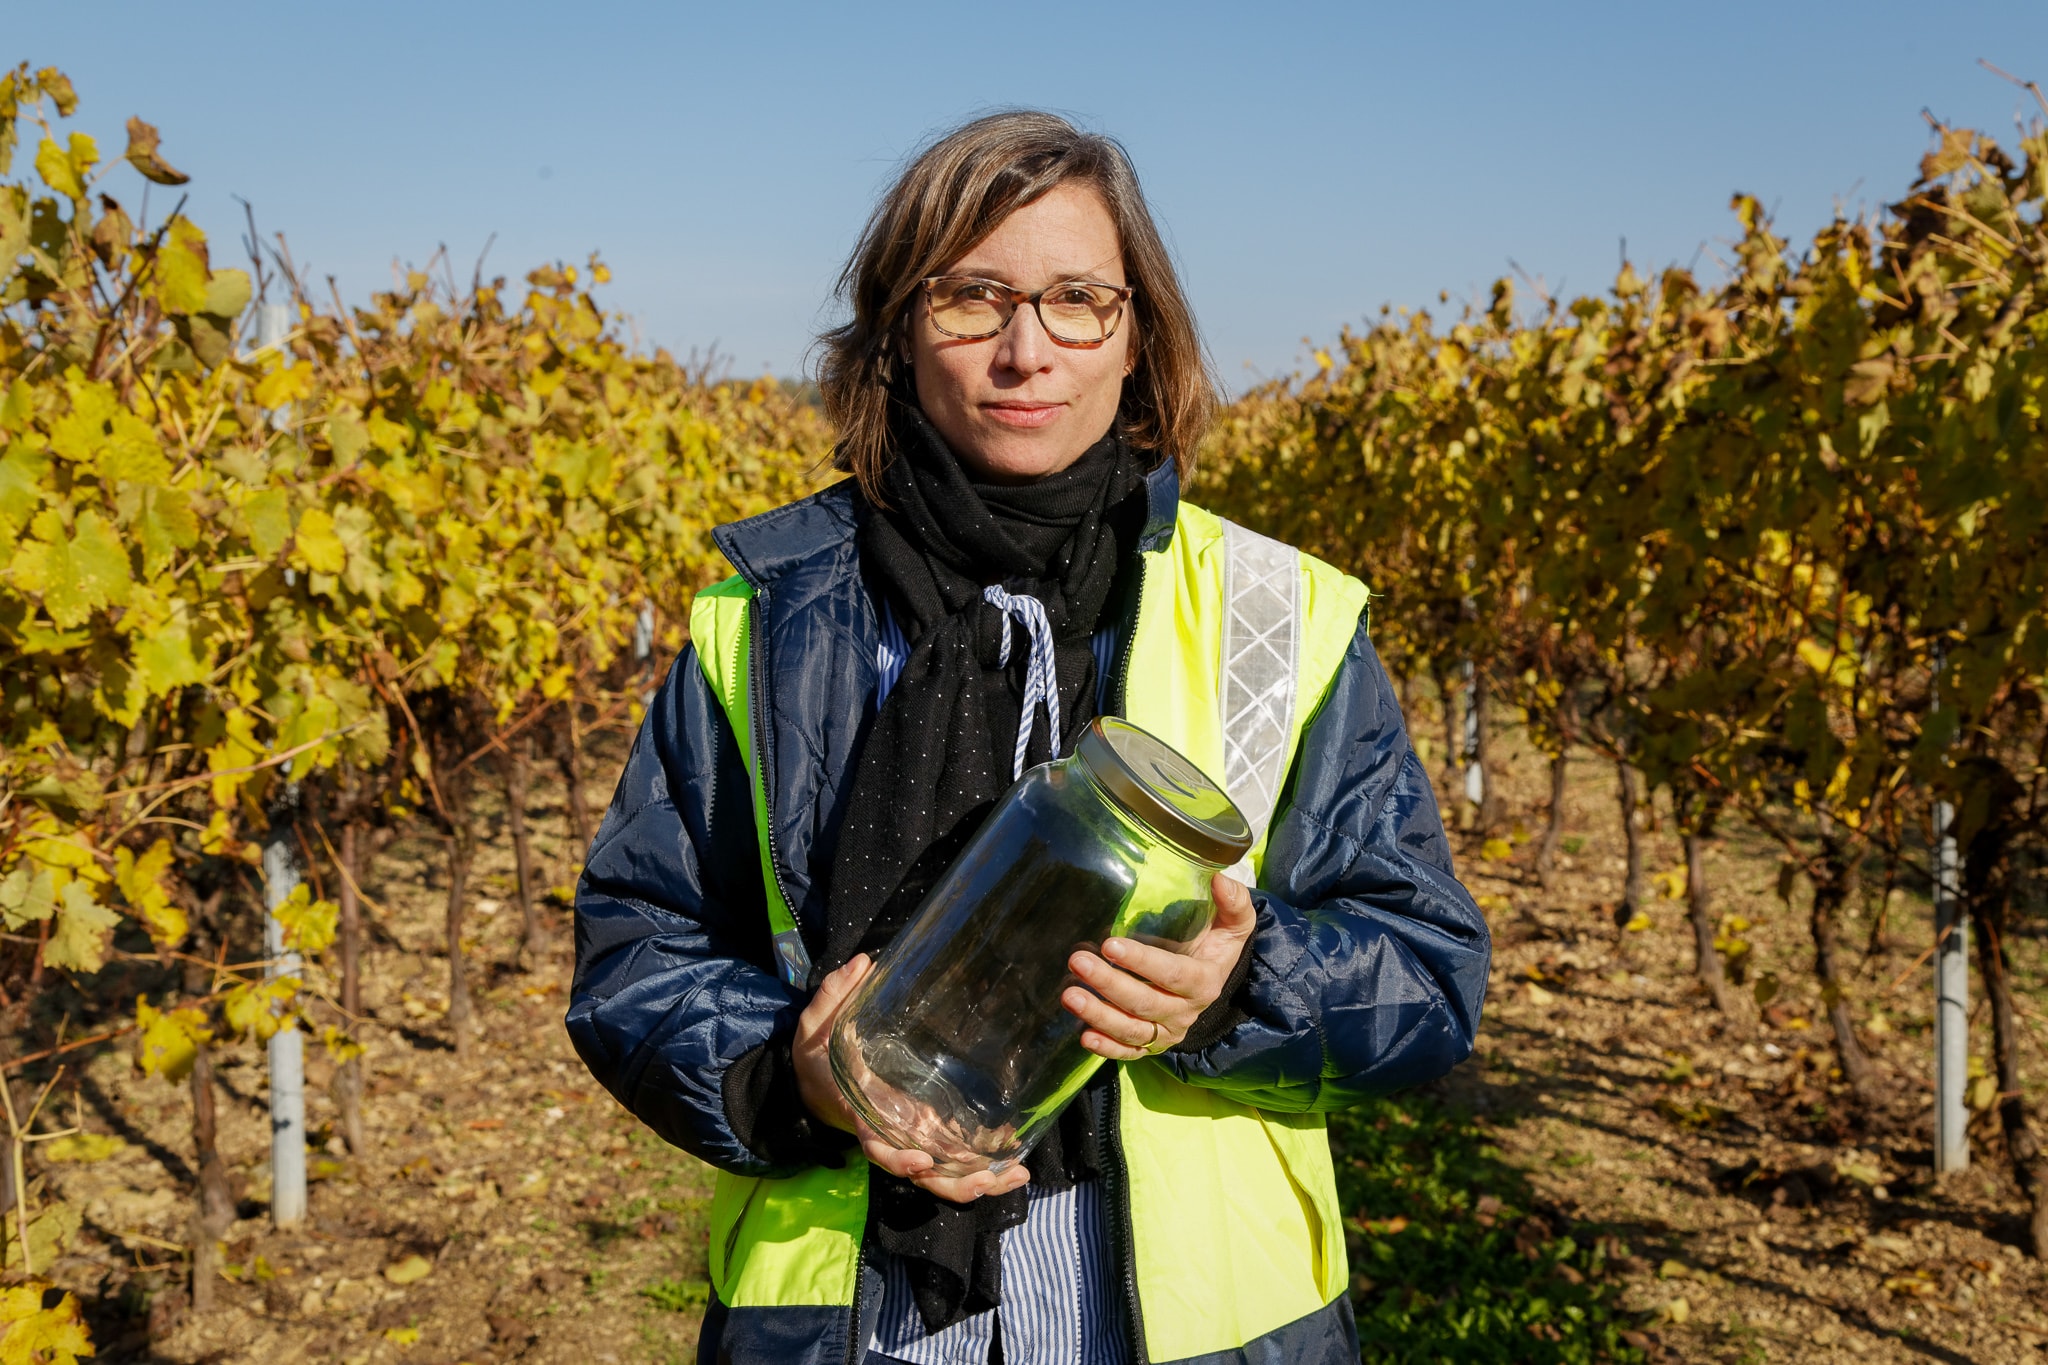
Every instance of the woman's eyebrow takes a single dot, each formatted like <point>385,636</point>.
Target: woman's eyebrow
<point>998,277</point>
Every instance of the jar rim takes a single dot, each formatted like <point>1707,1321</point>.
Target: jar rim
<point>1158,786</point>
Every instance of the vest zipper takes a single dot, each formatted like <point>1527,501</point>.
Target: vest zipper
<point>856,1349</point>
<point>732,1238</point>
<point>1118,1179</point>
<point>1119,701</point>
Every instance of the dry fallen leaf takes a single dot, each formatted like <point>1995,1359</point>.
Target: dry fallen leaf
<point>410,1270</point>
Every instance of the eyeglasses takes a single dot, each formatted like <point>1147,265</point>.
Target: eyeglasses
<point>1073,312</point>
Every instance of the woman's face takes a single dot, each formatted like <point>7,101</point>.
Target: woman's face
<point>1018,406</point>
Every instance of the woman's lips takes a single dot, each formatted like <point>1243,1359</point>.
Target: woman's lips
<point>1022,414</point>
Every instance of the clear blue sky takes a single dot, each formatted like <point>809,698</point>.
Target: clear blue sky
<point>1309,162</point>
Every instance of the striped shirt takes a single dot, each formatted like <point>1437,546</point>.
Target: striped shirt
<point>1059,1278</point>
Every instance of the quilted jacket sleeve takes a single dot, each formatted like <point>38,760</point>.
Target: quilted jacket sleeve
<point>1369,964</point>
<point>674,982</point>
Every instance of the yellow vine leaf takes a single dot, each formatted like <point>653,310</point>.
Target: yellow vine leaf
<point>227,293</point>
<point>308,924</point>
<point>163,520</point>
<point>65,169</point>
<point>31,1334</point>
<point>269,518</point>
<point>82,1147</point>
<point>285,384</point>
<point>181,271</point>
<point>77,575</point>
<point>165,661</point>
<point>317,544</point>
<point>259,1009</point>
<point>82,933</point>
<point>142,881</point>
<point>22,472</point>
<point>237,749</point>
<point>340,1046</point>
<point>100,432</point>
<point>67,852</point>
<point>167,1042</point>
<point>50,1230</point>
<point>27,894</point>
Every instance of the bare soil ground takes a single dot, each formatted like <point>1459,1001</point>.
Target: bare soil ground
<point>1763,1217</point>
<point>1716,1196</point>
<point>553,1227</point>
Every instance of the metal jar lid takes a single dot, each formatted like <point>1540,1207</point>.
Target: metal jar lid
<point>1164,791</point>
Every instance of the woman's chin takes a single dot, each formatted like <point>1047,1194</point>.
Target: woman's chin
<point>1007,456</point>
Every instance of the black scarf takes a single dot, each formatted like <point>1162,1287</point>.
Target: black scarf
<point>940,753</point>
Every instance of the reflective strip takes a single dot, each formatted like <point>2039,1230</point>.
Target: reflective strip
<point>1255,696</point>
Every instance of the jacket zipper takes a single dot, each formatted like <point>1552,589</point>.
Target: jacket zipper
<point>732,664</point>
<point>757,711</point>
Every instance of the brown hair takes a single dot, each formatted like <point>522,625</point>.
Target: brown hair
<point>953,194</point>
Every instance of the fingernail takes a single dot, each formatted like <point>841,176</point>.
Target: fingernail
<point>1114,948</point>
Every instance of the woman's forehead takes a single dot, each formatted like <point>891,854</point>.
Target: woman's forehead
<point>1067,233</point>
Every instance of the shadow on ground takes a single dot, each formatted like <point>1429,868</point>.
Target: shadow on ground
<point>1454,1258</point>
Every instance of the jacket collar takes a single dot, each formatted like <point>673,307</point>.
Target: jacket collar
<point>1162,506</point>
<point>821,527</point>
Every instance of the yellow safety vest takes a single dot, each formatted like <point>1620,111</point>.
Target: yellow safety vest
<point>1235,1229</point>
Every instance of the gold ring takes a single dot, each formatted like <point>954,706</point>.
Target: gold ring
<point>1153,1040</point>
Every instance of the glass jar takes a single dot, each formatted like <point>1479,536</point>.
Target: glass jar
<point>957,1044</point>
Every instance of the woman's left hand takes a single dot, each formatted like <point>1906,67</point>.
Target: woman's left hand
<point>1142,1000</point>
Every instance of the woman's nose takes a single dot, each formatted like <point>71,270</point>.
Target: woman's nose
<point>1023,345</point>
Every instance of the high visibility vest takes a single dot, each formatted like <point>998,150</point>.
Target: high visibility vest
<point>1235,1229</point>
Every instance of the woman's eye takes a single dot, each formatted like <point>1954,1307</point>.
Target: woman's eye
<point>972,292</point>
<point>1079,295</point>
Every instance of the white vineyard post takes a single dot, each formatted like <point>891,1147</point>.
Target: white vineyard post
<point>643,649</point>
<point>280,877</point>
<point>643,634</point>
<point>287,1045</point>
<point>1951,990</point>
<point>1475,772</point>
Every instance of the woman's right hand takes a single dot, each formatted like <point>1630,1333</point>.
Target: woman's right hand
<point>821,1096</point>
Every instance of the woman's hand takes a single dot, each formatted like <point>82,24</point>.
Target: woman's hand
<point>1142,1000</point>
<point>821,1096</point>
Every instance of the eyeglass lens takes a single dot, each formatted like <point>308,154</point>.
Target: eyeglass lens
<point>1075,312</point>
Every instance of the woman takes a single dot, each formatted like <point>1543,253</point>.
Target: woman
<point>1020,392</point>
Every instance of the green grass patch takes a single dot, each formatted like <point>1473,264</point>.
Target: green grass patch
<point>1452,1260</point>
<point>678,1296</point>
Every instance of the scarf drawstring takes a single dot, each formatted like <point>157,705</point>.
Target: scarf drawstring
<point>1041,683</point>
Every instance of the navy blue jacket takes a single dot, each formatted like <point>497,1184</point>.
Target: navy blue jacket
<point>1367,969</point>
